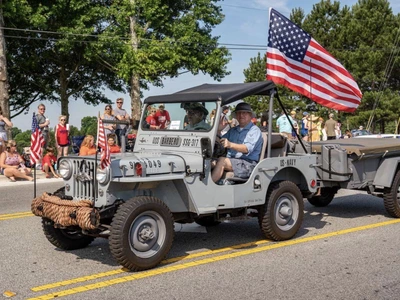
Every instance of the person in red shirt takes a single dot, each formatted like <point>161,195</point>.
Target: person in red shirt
<point>151,119</point>
<point>162,117</point>
<point>62,136</point>
<point>111,144</point>
<point>48,162</point>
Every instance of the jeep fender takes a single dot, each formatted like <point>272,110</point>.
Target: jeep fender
<point>386,172</point>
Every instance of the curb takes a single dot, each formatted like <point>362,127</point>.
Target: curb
<point>5,182</point>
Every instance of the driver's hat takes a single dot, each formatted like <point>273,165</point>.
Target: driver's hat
<point>196,106</point>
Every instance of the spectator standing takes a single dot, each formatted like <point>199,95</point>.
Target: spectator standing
<point>108,114</point>
<point>87,146</point>
<point>111,144</point>
<point>61,134</point>
<point>212,117</point>
<point>48,163</point>
<point>284,126</point>
<point>264,122</point>
<point>43,123</point>
<point>122,115</point>
<point>234,122</point>
<point>3,133</point>
<point>244,144</point>
<point>151,119</point>
<point>162,117</point>
<point>304,127</point>
<point>224,120</point>
<point>12,163</point>
<point>295,124</point>
<point>313,128</point>
<point>320,126</point>
<point>331,128</point>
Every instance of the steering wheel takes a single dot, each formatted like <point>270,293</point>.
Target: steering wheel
<point>219,150</point>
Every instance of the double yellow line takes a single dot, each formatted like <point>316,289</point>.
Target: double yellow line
<point>15,215</point>
<point>234,252</point>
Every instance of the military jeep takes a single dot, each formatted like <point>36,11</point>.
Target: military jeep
<point>167,179</point>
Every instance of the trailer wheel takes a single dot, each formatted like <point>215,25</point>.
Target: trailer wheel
<point>281,216</point>
<point>141,233</point>
<point>324,199</point>
<point>391,197</point>
<point>65,239</point>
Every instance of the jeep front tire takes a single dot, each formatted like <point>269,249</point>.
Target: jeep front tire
<point>282,214</point>
<point>141,233</point>
<point>65,239</point>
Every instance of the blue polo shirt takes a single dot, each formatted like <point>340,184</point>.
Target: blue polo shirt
<point>250,136</point>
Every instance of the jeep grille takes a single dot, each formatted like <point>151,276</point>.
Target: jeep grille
<point>83,179</point>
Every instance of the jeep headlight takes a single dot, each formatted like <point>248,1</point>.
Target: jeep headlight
<point>65,169</point>
<point>103,175</point>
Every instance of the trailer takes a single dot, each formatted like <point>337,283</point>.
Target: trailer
<point>364,164</point>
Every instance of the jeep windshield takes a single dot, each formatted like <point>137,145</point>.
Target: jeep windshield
<point>191,116</point>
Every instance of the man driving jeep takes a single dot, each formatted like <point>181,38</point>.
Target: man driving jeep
<point>196,115</point>
<point>244,143</point>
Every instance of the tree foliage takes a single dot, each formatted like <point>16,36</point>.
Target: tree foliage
<point>89,126</point>
<point>56,58</point>
<point>162,38</point>
<point>75,49</point>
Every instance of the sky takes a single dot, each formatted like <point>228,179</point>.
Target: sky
<point>245,23</point>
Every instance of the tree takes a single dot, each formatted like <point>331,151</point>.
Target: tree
<point>154,39</point>
<point>15,131</point>
<point>89,126</point>
<point>58,56</point>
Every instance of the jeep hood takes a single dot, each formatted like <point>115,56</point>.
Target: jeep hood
<point>123,165</point>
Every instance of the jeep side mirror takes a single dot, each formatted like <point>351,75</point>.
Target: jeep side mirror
<point>206,148</point>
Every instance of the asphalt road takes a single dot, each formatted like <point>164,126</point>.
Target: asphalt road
<point>348,250</point>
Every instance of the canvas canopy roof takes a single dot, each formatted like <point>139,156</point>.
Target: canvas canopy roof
<point>227,93</point>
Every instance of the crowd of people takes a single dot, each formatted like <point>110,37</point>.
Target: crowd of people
<point>242,126</point>
<point>310,127</point>
<point>13,164</point>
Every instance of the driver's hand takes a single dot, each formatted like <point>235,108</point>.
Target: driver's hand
<point>225,143</point>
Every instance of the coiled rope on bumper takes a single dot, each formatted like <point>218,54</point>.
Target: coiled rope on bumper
<point>65,212</point>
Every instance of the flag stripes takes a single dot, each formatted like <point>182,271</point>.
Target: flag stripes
<point>105,159</point>
<point>37,142</point>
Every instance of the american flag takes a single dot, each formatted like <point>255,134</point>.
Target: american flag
<point>296,60</point>
<point>102,143</point>
<point>37,141</point>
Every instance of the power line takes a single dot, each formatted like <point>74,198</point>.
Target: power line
<point>97,36</point>
<point>229,45</point>
<point>244,7</point>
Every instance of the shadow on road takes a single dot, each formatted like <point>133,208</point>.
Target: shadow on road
<point>231,234</point>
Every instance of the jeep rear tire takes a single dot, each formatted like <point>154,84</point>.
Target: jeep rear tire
<point>141,233</point>
<point>65,239</point>
<point>281,216</point>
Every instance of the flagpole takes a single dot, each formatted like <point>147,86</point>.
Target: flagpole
<point>95,161</point>
<point>310,129</point>
<point>34,180</point>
